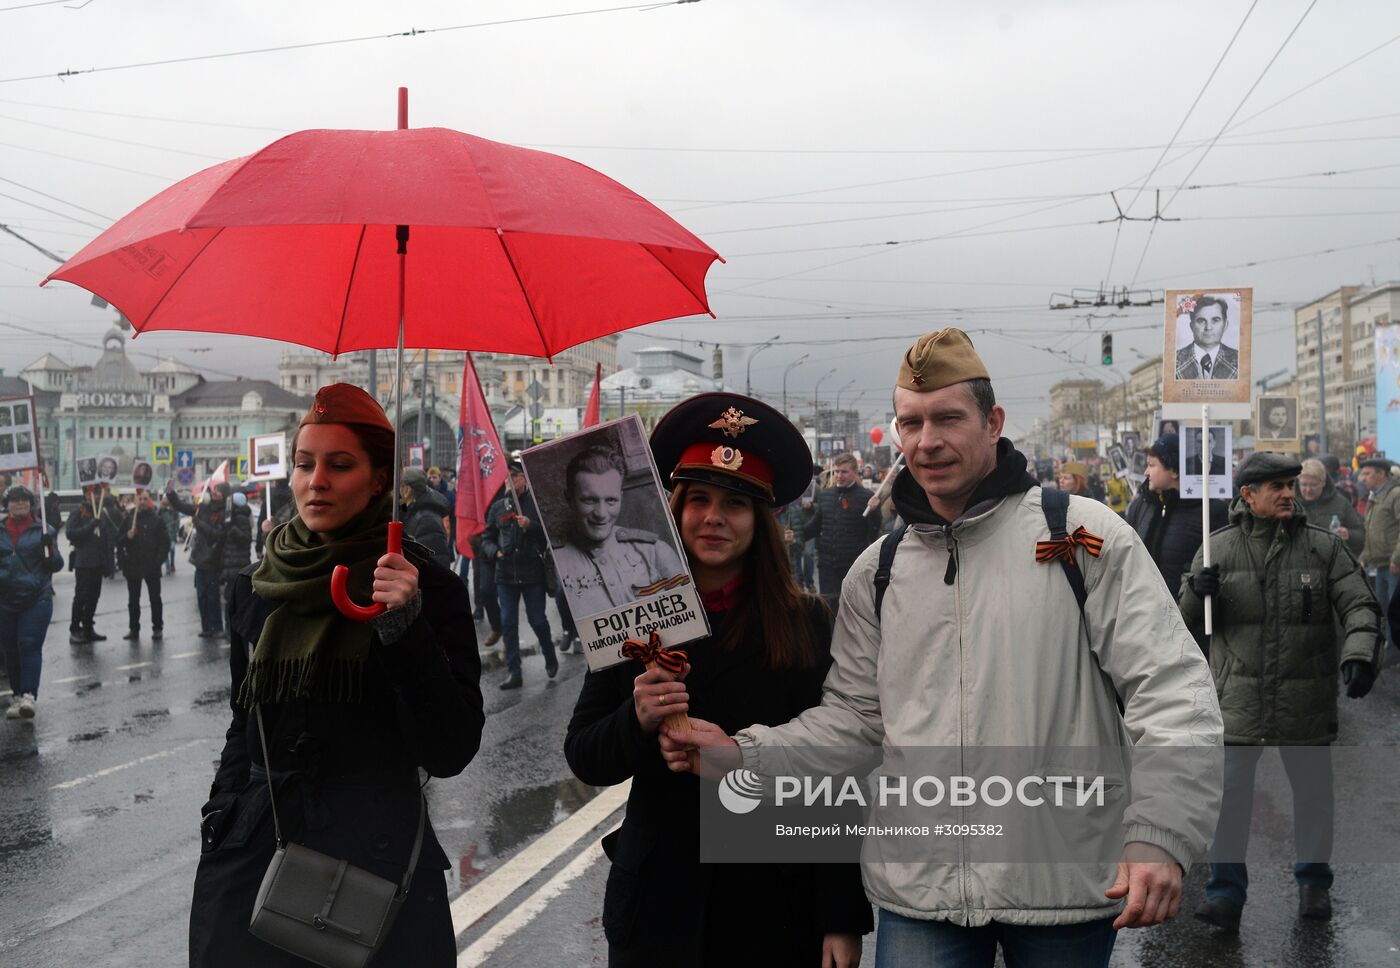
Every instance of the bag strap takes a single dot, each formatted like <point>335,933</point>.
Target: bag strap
<point>888,547</point>
<point>1055,504</point>
<point>407,878</point>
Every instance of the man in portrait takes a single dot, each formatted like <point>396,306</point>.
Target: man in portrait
<point>1193,461</point>
<point>602,565</point>
<point>1208,358</point>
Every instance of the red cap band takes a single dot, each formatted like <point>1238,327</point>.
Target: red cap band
<point>728,459</point>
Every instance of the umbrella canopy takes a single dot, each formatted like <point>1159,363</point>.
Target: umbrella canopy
<point>511,250</point>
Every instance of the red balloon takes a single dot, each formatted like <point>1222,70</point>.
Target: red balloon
<point>876,435</point>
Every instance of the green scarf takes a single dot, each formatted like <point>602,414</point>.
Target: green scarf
<point>307,649</point>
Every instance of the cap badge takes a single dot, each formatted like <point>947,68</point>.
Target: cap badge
<point>727,457</point>
<point>733,422</point>
<point>918,379</point>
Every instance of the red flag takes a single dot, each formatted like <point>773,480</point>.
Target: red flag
<point>482,467</point>
<point>590,413</point>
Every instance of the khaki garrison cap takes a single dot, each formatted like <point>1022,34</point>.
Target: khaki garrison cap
<point>938,360</point>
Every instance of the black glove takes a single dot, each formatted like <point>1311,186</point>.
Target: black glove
<point>47,542</point>
<point>1358,677</point>
<point>1206,581</point>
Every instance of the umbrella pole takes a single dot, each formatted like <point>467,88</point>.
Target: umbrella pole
<point>401,234</point>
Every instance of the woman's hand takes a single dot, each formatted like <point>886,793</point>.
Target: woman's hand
<point>840,951</point>
<point>656,694</point>
<point>681,750</point>
<point>395,581</point>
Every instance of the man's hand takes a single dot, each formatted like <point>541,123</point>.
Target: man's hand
<point>395,581</point>
<point>840,951</point>
<point>1395,569</point>
<point>1359,678</point>
<point>656,694</point>
<point>1206,581</point>
<point>266,526</point>
<point>1151,880</point>
<point>873,503</point>
<point>1343,533</point>
<point>680,748</point>
<point>523,521</point>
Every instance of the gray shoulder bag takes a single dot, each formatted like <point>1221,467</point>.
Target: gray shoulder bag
<point>323,909</point>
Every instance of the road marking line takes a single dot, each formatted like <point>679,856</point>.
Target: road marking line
<point>471,906</point>
<point>185,655</point>
<point>526,912</point>
<point>79,781</point>
<point>134,665</point>
<point>59,682</point>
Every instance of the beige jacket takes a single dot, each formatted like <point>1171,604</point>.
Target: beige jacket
<point>1000,659</point>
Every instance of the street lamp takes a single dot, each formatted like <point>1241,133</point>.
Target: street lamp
<point>815,394</point>
<point>838,395</point>
<point>789,369</point>
<point>748,367</point>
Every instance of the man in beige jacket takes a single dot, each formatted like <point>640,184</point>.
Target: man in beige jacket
<point>980,642</point>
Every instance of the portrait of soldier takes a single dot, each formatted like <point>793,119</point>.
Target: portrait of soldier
<point>602,565</point>
<point>1207,357</point>
<point>1211,448</point>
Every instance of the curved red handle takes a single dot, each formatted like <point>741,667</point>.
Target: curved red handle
<point>340,575</point>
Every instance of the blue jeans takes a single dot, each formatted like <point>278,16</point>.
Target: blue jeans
<point>208,593</point>
<point>22,642</point>
<point>1309,770</point>
<point>509,598</point>
<point>911,943</point>
<point>1385,587</point>
<point>803,562</point>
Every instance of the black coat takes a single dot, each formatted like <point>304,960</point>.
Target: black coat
<point>237,539</point>
<point>143,555</point>
<point>207,550</point>
<point>422,521</point>
<point>94,536</point>
<point>1170,526</point>
<point>664,907</point>
<point>842,531</point>
<point>521,561</point>
<point>347,778</point>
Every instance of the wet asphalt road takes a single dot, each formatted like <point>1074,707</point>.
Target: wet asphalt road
<point>100,797</point>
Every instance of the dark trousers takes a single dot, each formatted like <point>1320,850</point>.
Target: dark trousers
<point>509,597</point>
<point>803,563</point>
<point>566,617</point>
<point>87,589</point>
<point>487,597</point>
<point>905,942</point>
<point>133,599</point>
<point>1309,770</point>
<point>208,589</point>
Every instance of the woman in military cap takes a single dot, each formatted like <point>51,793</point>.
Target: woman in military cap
<point>352,711</point>
<point>730,462</point>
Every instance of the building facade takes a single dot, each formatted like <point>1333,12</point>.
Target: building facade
<point>1328,361</point>
<point>1075,417</point>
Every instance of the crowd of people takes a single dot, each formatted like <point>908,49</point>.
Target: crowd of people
<point>841,615</point>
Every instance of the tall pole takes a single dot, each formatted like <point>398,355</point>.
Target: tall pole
<point>790,367</point>
<point>816,392</point>
<point>748,366</point>
<point>374,374</point>
<point>1321,389</point>
<point>422,400</point>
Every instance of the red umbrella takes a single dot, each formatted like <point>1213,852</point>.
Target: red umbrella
<point>426,237</point>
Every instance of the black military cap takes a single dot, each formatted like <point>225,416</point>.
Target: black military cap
<point>734,442</point>
<point>1260,467</point>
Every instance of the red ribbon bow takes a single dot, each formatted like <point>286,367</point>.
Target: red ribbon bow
<point>672,660</point>
<point>1062,549</point>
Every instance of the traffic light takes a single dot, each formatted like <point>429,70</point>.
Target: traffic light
<point>1107,349</point>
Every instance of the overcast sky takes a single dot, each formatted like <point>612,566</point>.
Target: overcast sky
<point>796,138</point>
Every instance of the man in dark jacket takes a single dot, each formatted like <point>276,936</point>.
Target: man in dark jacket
<point>422,511</point>
<point>92,529</point>
<point>515,539</point>
<point>840,526</point>
<point>142,545</point>
<point>1169,526</point>
<point>207,555</point>
<point>1282,589</point>
<point>238,543</point>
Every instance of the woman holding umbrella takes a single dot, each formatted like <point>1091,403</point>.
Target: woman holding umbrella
<point>352,711</point>
<point>766,658</point>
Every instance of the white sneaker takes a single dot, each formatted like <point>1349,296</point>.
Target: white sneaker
<point>26,706</point>
<point>13,711</point>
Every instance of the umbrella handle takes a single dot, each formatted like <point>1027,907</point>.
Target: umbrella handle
<point>340,575</point>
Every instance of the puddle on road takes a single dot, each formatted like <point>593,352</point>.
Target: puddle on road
<point>212,697</point>
<point>99,813</point>
<point>87,687</point>
<point>16,839</point>
<point>98,733</point>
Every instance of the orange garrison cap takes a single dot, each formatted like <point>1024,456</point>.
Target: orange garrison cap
<point>345,403</point>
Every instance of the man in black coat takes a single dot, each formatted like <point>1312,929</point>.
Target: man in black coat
<point>422,511</point>
<point>841,527</point>
<point>238,543</point>
<point>92,529</point>
<point>1169,526</point>
<point>515,539</point>
<point>207,554</point>
<point>142,545</point>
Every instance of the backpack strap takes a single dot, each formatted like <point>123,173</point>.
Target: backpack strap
<point>882,573</point>
<point>1055,504</point>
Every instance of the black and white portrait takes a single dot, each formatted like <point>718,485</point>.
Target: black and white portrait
<point>1139,464</point>
<point>1208,337</point>
<point>1277,419</point>
<point>269,457</point>
<point>1118,460</point>
<point>1201,452</point>
<point>87,471</point>
<point>1132,441</point>
<point>106,469</point>
<point>141,474</point>
<point>610,530</point>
